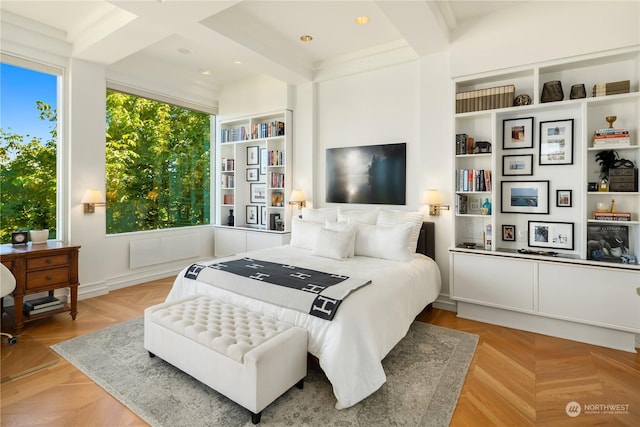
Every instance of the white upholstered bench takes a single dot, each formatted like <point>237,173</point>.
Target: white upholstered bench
<point>249,358</point>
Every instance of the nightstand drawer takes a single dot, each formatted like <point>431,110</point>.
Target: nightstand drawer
<point>47,261</point>
<point>49,277</point>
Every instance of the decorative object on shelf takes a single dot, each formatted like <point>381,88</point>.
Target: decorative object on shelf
<point>486,207</point>
<point>563,198</point>
<point>532,252</point>
<point>469,245</point>
<point>592,186</point>
<point>602,207</point>
<point>529,197</point>
<point>509,233</point>
<point>551,234</point>
<point>552,91</point>
<point>606,159</point>
<point>487,237</point>
<point>252,155</point>
<point>91,199</point>
<point>603,186</point>
<point>279,224</point>
<point>252,214</point>
<point>612,209</point>
<point>556,142</point>
<point>263,215</point>
<point>258,192</point>
<point>263,161</point>
<point>298,198</point>
<point>273,218</point>
<point>517,165</point>
<point>607,241</point>
<point>611,120</point>
<point>433,198</point>
<point>522,99</point>
<point>470,144</point>
<point>611,88</point>
<point>461,143</point>
<point>19,237</point>
<point>623,177</point>
<point>230,218</point>
<point>517,133</point>
<point>474,204</point>
<point>252,174</point>
<point>578,91</point>
<point>482,147</point>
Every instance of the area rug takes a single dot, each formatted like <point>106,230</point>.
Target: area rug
<point>425,373</point>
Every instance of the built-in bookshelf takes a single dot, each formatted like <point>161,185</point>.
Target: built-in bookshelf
<point>254,172</point>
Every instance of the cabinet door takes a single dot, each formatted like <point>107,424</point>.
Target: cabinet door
<point>230,242</point>
<point>497,282</point>
<point>602,296</point>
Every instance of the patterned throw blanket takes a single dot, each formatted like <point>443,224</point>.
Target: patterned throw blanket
<point>314,292</point>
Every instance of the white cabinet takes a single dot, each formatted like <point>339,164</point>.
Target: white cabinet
<point>235,240</point>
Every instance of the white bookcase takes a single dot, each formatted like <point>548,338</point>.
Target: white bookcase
<point>568,295</point>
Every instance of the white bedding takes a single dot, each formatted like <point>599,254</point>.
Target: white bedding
<point>368,324</point>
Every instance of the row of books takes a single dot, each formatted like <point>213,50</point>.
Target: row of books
<point>473,180</point>
<point>612,216</point>
<point>485,99</point>
<point>267,129</point>
<point>42,305</point>
<point>611,137</point>
<point>239,133</point>
<point>228,181</point>
<point>277,180</point>
<point>276,158</point>
<point>228,165</point>
<point>611,88</point>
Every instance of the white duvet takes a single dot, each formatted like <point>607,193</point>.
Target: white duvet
<point>368,324</point>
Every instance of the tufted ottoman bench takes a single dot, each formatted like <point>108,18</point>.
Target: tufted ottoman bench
<point>250,358</point>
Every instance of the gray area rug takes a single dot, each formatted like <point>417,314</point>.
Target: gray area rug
<point>425,373</point>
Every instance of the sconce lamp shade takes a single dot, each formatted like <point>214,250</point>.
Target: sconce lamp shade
<point>91,199</point>
<point>431,197</point>
<point>297,196</point>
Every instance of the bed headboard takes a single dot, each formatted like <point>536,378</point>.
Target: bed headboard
<point>427,240</point>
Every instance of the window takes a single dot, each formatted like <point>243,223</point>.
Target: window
<point>28,147</point>
<point>157,165</point>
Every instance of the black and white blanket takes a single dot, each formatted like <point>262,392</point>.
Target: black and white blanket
<point>309,291</point>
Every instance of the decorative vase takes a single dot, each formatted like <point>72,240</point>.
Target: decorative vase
<point>552,91</point>
<point>230,219</point>
<point>578,91</point>
<point>39,237</point>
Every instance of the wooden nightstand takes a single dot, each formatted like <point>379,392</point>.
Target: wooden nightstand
<point>40,268</point>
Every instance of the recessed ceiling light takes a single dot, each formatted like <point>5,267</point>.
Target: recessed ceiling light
<point>183,50</point>
<point>237,62</point>
<point>362,19</point>
<point>205,71</point>
<point>306,38</point>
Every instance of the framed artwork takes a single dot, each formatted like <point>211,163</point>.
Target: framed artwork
<point>517,133</point>
<point>252,155</point>
<point>263,161</point>
<point>258,193</point>
<point>527,197</point>
<point>551,234</point>
<point>252,214</point>
<point>563,198</point>
<point>509,233</point>
<point>514,165</point>
<point>252,174</point>
<point>556,142</point>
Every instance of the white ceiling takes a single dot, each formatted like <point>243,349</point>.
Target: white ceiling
<point>173,40</point>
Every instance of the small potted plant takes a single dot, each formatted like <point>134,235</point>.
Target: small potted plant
<point>39,219</point>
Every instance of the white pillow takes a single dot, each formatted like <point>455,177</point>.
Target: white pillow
<point>304,234</point>
<point>384,242</point>
<point>362,217</point>
<point>333,244</point>
<point>320,215</point>
<point>388,218</point>
<point>350,229</point>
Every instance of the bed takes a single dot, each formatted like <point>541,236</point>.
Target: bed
<point>367,324</point>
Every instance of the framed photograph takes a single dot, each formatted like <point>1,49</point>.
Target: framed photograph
<point>517,165</point>
<point>252,214</point>
<point>252,155</point>
<point>474,204</point>
<point>563,198</point>
<point>509,233</point>
<point>258,193</point>
<point>527,197</point>
<point>263,215</point>
<point>263,161</point>
<point>556,142</point>
<point>252,174</point>
<point>517,133</point>
<point>550,234</point>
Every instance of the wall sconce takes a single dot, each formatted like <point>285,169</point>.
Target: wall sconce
<point>297,198</point>
<point>434,200</point>
<point>91,199</point>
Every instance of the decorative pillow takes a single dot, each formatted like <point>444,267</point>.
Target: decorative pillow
<point>304,234</point>
<point>388,218</point>
<point>384,242</point>
<point>350,229</point>
<point>361,217</point>
<point>333,244</point>
<point>320,215</point>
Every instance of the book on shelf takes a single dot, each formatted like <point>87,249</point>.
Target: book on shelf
<point>607,242</point>
<point>35,311</point>
<point>612,216</point>
<point>41,302</point>
<point>485,99</point>
<point>473,180</point>
<point>611,88</point>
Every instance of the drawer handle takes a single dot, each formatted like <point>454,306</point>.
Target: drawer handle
<point>48,261</point>
<point>49,277</point>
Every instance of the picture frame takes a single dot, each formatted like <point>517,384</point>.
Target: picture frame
<point>263,215</point>
<point>517,165</point>
<point>509,233</point>
<point>252,214</point>
<point>263,161</point>
<point>258,193</point>
<point>551,234</point>
<point>556,142</point>
<point>517,133</point>
<point>474,203</point>
<point>564,198</point>
<point>526,197</point>
<point>252,155</point>
<point>252,174</point>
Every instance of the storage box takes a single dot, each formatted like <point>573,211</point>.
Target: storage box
<point>623,179</point>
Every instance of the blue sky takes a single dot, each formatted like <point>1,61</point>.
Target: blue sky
<point>20,88</point>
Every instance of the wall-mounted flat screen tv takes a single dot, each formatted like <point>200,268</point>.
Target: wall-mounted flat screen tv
<point>370,174</point>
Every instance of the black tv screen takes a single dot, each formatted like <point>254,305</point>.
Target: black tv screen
<point>370,174</point>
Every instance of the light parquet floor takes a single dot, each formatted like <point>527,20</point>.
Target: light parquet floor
<point>516,378</point>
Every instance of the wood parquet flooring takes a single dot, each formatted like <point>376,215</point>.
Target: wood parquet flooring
<point>516,378</point>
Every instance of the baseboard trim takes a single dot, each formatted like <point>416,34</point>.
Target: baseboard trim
<point>443,302</point>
